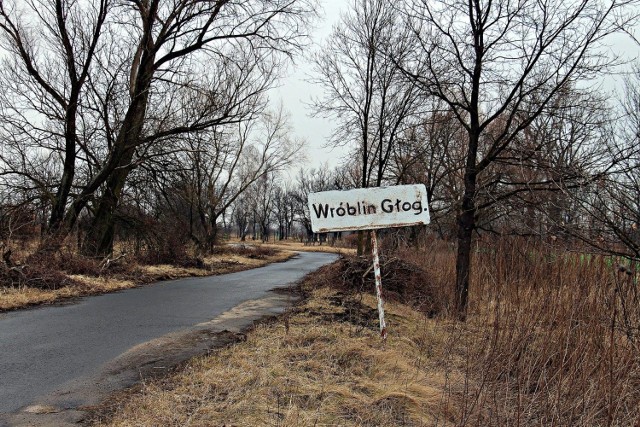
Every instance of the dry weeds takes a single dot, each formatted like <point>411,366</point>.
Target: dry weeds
<point>326,365</point>
<point>552,339</point>
<point>93,281</point>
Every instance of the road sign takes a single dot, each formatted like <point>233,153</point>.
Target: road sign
<point>369,208</point>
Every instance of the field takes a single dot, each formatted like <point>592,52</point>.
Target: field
<point>548,341</point>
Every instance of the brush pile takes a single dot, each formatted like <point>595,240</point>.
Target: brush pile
<point>402,281</point>
<point>37,273</point>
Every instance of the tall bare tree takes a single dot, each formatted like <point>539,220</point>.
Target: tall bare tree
<point>174,40</point>
<point>123,80</point>
<point>498,65</point>
<point>51,48</point>
<point>364,91</point>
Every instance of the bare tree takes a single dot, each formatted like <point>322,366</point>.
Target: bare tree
<point>215,168</point>
<point>284,209</point>
<point>498,65</point>
<point>51,49</point>
<point>528,189</point>
<point>240,216</point>
<point>312,181</point>
<point>173,40</point>
<point>364,91</point>
<point>608,209</point>
<point>263,193</point>
<point>137,76</point>
<point>430,153</point>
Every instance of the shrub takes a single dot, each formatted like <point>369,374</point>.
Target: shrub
<point>402,280</point>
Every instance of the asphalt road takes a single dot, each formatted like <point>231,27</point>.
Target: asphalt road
<point>42,349</point>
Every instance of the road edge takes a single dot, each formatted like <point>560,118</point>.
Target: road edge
<point>84,401</point>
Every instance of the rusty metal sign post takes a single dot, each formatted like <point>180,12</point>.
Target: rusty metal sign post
<point>370,209</point>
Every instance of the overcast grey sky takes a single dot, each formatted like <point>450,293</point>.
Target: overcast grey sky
<point>295,91</point>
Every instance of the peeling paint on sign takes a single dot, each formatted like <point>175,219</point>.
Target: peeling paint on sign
<point>369,208</point>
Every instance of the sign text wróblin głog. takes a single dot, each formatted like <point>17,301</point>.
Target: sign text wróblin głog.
<point>369,208</point>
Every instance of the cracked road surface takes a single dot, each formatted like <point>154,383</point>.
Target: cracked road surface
<point>60,358</point>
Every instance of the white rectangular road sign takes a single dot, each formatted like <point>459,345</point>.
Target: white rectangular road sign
<point>369,208</point>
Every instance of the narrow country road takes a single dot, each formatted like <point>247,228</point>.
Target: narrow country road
<point>46,350</point>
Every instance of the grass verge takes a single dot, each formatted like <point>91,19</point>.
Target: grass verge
<point>67,276</point>
<point>294,245</point>
<point>324,364</point>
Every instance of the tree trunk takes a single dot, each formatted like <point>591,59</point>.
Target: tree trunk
<point>211,238</point>
<point>463,263</point>
<point>99,239</point>
<point>62,195</point>
<point>58,228</point>
<point>466,225</point>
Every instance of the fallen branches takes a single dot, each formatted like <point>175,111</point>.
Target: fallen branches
<point>108,262</point>
<point>402,281</point>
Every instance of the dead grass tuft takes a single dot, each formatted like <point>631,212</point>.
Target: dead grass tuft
<point>552,338</point>
<point>314,372</point>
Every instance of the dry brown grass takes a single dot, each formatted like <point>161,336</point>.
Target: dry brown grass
<point>217,264</point>
<point>295,245</point>
<point>12,298</point>
<point>551,339</point>
<point>326,365</point>
<point>128,274</point>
